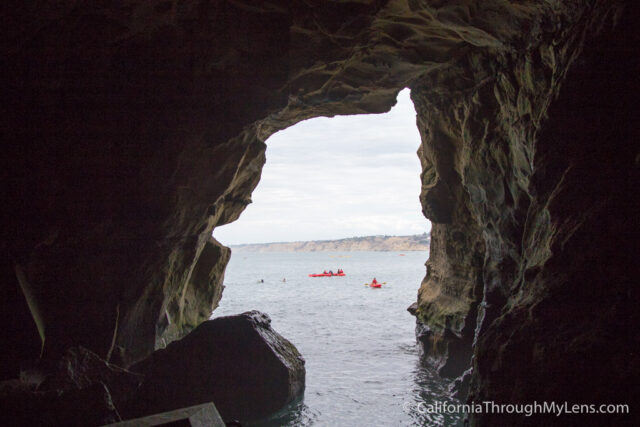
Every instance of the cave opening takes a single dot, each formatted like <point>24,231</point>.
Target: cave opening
<point>340,193</point>
<point>334,178</point>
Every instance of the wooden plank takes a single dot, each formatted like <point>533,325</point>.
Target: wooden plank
<point>204,415</point>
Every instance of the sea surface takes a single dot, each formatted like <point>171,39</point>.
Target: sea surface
<point>362,362</point>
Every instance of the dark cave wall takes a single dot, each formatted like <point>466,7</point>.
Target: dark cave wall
<point>481,121</point>
<point>137,127</point>
<point>578,282</point>
<point>134,129</point>
<point>125,146</point>
<point>537,150</point>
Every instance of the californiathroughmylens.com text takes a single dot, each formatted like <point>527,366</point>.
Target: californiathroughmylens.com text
<point>526,409</point>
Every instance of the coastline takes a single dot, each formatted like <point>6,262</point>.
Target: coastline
<point>419,242</point>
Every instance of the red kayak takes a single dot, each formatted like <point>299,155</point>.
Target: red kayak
<point>375,285</point>
<point>326,274</point>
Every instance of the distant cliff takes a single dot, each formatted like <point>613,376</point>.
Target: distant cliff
<point>419,242</point>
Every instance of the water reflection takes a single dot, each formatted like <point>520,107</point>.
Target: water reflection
<point>362,360</point>
<point>428,390</point>
<point>293,415</point>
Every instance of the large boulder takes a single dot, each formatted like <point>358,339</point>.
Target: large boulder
<point>238,362</point>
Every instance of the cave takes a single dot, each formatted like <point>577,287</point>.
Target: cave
<point>133,129</point>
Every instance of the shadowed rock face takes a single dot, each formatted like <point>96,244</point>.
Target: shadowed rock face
<point>79,389</point>
<point>134,129</point>
<point>527,224</point>
<point>239,362</point>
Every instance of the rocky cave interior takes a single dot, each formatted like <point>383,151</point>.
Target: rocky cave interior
<point>132,129</point>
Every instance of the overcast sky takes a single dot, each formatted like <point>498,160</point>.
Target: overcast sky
<point>334,178</point>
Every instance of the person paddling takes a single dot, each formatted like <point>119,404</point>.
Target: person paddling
<point>374,281</point>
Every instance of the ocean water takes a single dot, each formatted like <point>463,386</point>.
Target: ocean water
<point>362,362</point>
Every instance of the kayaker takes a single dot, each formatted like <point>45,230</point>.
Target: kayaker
<point>331,272</point>
<point>325,272</point>
<point>374,281</point>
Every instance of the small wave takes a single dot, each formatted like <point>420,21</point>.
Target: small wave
<point>411,349</point>
<point>293,415</point>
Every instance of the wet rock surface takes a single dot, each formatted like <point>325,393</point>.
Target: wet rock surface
<point>444,350</point>
<point>134,128</point>
<point>238,362</point>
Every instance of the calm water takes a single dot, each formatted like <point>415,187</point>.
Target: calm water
<point>362,363</point>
